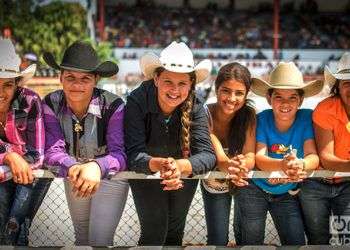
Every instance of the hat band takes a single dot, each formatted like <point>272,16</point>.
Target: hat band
<point>9,70</point>
<point>344,71</point>
<point>177,65</point>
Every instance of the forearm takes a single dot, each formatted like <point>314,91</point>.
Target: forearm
<point>250,160</point>
<point>111,164</point>
<point>60,159</point>
<point>331,162</point>
<point>154,164</point>
<point>311,162</point>
<point>219,151</point>
<point>185,167</point>
<point>266,163</point>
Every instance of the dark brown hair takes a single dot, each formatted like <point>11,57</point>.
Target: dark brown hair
<point>335,88</point>
<point>244,118</point>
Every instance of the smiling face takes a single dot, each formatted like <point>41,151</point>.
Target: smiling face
<point>78,87</point>
<point>7,90</point>
<point>173,89</point>
<point>231,96</point>
<point>285,104</point>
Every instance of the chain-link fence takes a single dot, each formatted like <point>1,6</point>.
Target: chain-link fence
<point>52,225</point>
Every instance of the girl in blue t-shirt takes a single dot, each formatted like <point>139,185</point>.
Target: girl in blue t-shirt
<point>284,141</point>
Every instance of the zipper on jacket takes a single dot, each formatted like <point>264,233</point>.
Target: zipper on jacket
<point>77,129</point>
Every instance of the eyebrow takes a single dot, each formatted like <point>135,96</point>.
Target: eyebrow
<point>277,93</point>
<point>71,75</point>
<point>10,81</point>
<point>233,89</point>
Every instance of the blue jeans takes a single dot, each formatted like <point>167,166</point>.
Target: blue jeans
<point>319,200</point>
<point>253,205</point>
<point>18,206</point>
<point>217,215</point>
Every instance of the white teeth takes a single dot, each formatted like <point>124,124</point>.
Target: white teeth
<point>285,110</point>
<point>172,96</point>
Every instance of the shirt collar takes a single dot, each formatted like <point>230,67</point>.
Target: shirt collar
<point>94,106</point>
<point>19,101</point>
<point>153,99</point>
<point>340,111</point>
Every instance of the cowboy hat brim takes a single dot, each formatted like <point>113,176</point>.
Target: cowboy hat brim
<point>105,69</point>
<point>331,78</point>
<point>261,87</point>
<point>150,62</point>
<point>25,74</point>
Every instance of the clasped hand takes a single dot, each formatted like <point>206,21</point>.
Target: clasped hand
<point>294,168</point>
<point>171,174</point>
<point>85,179</point>
<point>237,170</point>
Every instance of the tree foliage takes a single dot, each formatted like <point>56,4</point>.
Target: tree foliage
<point>51,27</point>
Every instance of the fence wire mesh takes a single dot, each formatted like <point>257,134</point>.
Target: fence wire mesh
<point>52,225</point>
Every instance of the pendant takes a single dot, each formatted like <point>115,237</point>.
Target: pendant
<point>78,127</point>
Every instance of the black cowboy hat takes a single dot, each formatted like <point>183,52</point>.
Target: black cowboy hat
<point>81,56</point>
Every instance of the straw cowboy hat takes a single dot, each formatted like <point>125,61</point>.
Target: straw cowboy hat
<point>177,57</point>
<point>81,56</point>
<point>342,73</point>
<point>286,76</point>
<point>10,62</point>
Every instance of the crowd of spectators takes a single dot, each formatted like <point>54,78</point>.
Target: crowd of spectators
<point>146,25</point>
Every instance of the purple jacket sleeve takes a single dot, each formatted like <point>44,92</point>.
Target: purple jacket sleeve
<point>55,146</point>
<point>115,160</point>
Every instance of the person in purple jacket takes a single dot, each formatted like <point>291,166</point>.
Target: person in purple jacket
<point>84,139</point>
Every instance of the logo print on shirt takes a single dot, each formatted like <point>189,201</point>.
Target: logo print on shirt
<point>279,149</point>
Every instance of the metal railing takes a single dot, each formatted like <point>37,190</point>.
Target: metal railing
<point>52,225</point>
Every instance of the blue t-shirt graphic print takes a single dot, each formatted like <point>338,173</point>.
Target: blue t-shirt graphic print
<point>278,143</point>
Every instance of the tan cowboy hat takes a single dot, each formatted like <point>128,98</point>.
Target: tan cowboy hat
<point>177,57</point>
<point>286,76</point>
<point>10,62</point>
<point>342,73</point>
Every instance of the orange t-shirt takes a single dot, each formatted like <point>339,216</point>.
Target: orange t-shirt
<point>330,114</point>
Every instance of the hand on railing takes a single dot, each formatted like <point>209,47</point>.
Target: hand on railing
<point>293,167</point>
<point>171,173</point>
<point>238,171</point>
<point>85,178</point>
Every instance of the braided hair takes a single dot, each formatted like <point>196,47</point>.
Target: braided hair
<point>186,110</point>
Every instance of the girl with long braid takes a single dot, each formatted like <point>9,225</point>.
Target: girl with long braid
<point>166,131</point>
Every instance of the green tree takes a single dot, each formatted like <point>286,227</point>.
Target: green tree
<point>51,27</point>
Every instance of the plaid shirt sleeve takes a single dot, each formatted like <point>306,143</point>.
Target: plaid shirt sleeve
<point>34,139</point>
<point>34,153</point>
<point>55,146</point>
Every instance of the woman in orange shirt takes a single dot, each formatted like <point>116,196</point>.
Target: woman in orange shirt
<point>321,198</point>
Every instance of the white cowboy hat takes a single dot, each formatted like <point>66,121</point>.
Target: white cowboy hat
<point>286,76</point>
<point>10,62</point>
<point>343,71</point>
<point>177,57</point>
